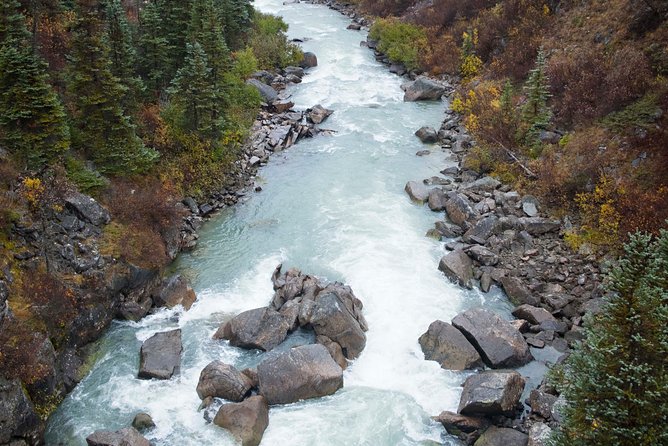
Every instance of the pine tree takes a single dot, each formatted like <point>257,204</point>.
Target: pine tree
<point>237,18</point>
<point>536,114</point>
<point>154,47</point>
<point>616,381</point>
<point>122,53</point>
<point>205,29</point>
<point>193,93</point>
<point>32,118</point>
<point>175,16</point>
<point>104,131</point>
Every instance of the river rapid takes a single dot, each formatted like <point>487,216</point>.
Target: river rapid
<point>332,206</point>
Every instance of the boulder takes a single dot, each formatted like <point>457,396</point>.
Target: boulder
<point>282,106</point>
<point>457,267</point>
<point>502,436</point>
<point>294,71</point>
<point>222,380</point>
<point>539,435</point>
<point>484,184</point>
<point>446,345</point>
<point>541,403</point>
<point>303,372</point>
<point>310,60</point>
<point>87,209</point>
<point>174,291</point>
<point>246,420</point>
<point>318,114</point>
<point>539,225</point>
<point>18,418</point>
<point>491,393</point>
<point>268,94</point>
<point>143,422</point>
<point>448,230</point>
<point>423,89</point>
<point>466,428</point>
<point>482,230</point>
<point>483,255</point>
<point>124,437</point>
<point>499,343</point>
<point>417,191</point>
<point>332,318</point>
<point>534,315</point>
<point>427,135</point>
<point>437,199</point>
<point>160,355</point>
<point>517,292</point>
<point>459,209</point>
<point>261,328</point>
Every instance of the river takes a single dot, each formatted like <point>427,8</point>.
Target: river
<point>333,206</point>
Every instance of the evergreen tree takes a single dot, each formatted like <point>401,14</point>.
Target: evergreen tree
<point>616,380</point>
<point>104,131</point>
<point>154,47</point>
<point>32,119</point>
<point>237,18</point>
<point>122,53</point>
<point>175,16</point>
<point>536,114</point>
<point>193,94</point>
<point>205,29</point>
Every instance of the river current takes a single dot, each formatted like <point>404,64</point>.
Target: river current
<point>332,206</point>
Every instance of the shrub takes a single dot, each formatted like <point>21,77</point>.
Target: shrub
<point>402,42</point>
<point>270,44</point>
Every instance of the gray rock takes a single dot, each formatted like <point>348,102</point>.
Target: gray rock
<point>310,60</point>
<point>499,343</point>
<point>254,160</point>
<point>466,428</point>
<point>4,295</point>
<point>246,420</point>
<point>483,255</point>
<point>502,436</point>
<point>448,230</point>
<point>427,135</point>
<point>539,225</point>
<point>300,373</point>
<point>517,292</point>
<point>459,209</point>
<point>268,94</point>
<point>334,319</point>
<point>484,184</point>
<point>491,393</point>
<point>261,328</point>
<point>417,191</point>
<point>160,355</point>
<point>88,209</point>
<point>222,380</point>
<point>485,282</point>
<point>534,315</point>
<point>318,114</point>
<point>124,437</point>
<point>282,106</point>
<point>558,408</point>
<point>437,199</point>
<point>457,267</point>
<point>143,422</point>
<point>397,69</point>
<point>294,71</point>
<point>541,403</point>
<point>17,414</point>
<point>423,89</point>
<point>539,435</point>
<point>175,290</point>
<point>482,230</point>
<point>446,345</point>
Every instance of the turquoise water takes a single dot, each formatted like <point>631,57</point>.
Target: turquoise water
<point>333,206</point>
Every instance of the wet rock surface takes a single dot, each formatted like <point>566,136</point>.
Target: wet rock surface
<point>222,380</point>
<point>160,355</point>
<point>246,420</point>
<point>446,345</point>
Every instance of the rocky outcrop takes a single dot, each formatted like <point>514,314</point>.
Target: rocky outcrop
<point>300,373</point>
<point>18,419</point>
<point>446,345</point>
<point>87,209</point>
<point>124,437</point>
<point>220,380</point>
<point>261,328</point>
<point>160,355</point>
<point>423,89</point>
<point>500,344</point>
<point>246,420</point>
<point>491,393</point>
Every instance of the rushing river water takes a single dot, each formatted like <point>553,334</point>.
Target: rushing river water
<point>333,206</point>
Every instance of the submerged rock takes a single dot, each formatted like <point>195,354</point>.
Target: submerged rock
<point>246,420</point>
<point>143,422</point>
<point>160,355</point>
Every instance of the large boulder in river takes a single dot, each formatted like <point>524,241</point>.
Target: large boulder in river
<point>310,60</point>
<point>124,437</point>
<point>427,135</point>
<point>334,316</point>
<point>160,355</point>
<point>502,436</point>
<point>499,343</point>
<point>423,89</point>
<point>268,94</point>
<point>446,345</point>
<point>417,191</point>
<point>437,199</point>
<point>174,291</point>
<point>222,380</point>
<point>261,328</point>
<point>457,267</point>
<point>318,114</point>
<point>18,418</point>
<point>300,373</point>
<point>491,393</point>
<point>246,420</point>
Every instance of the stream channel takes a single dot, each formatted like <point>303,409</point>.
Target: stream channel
<point>333,206</point>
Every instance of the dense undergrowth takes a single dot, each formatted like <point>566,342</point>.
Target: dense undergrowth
<point>576,90</point>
